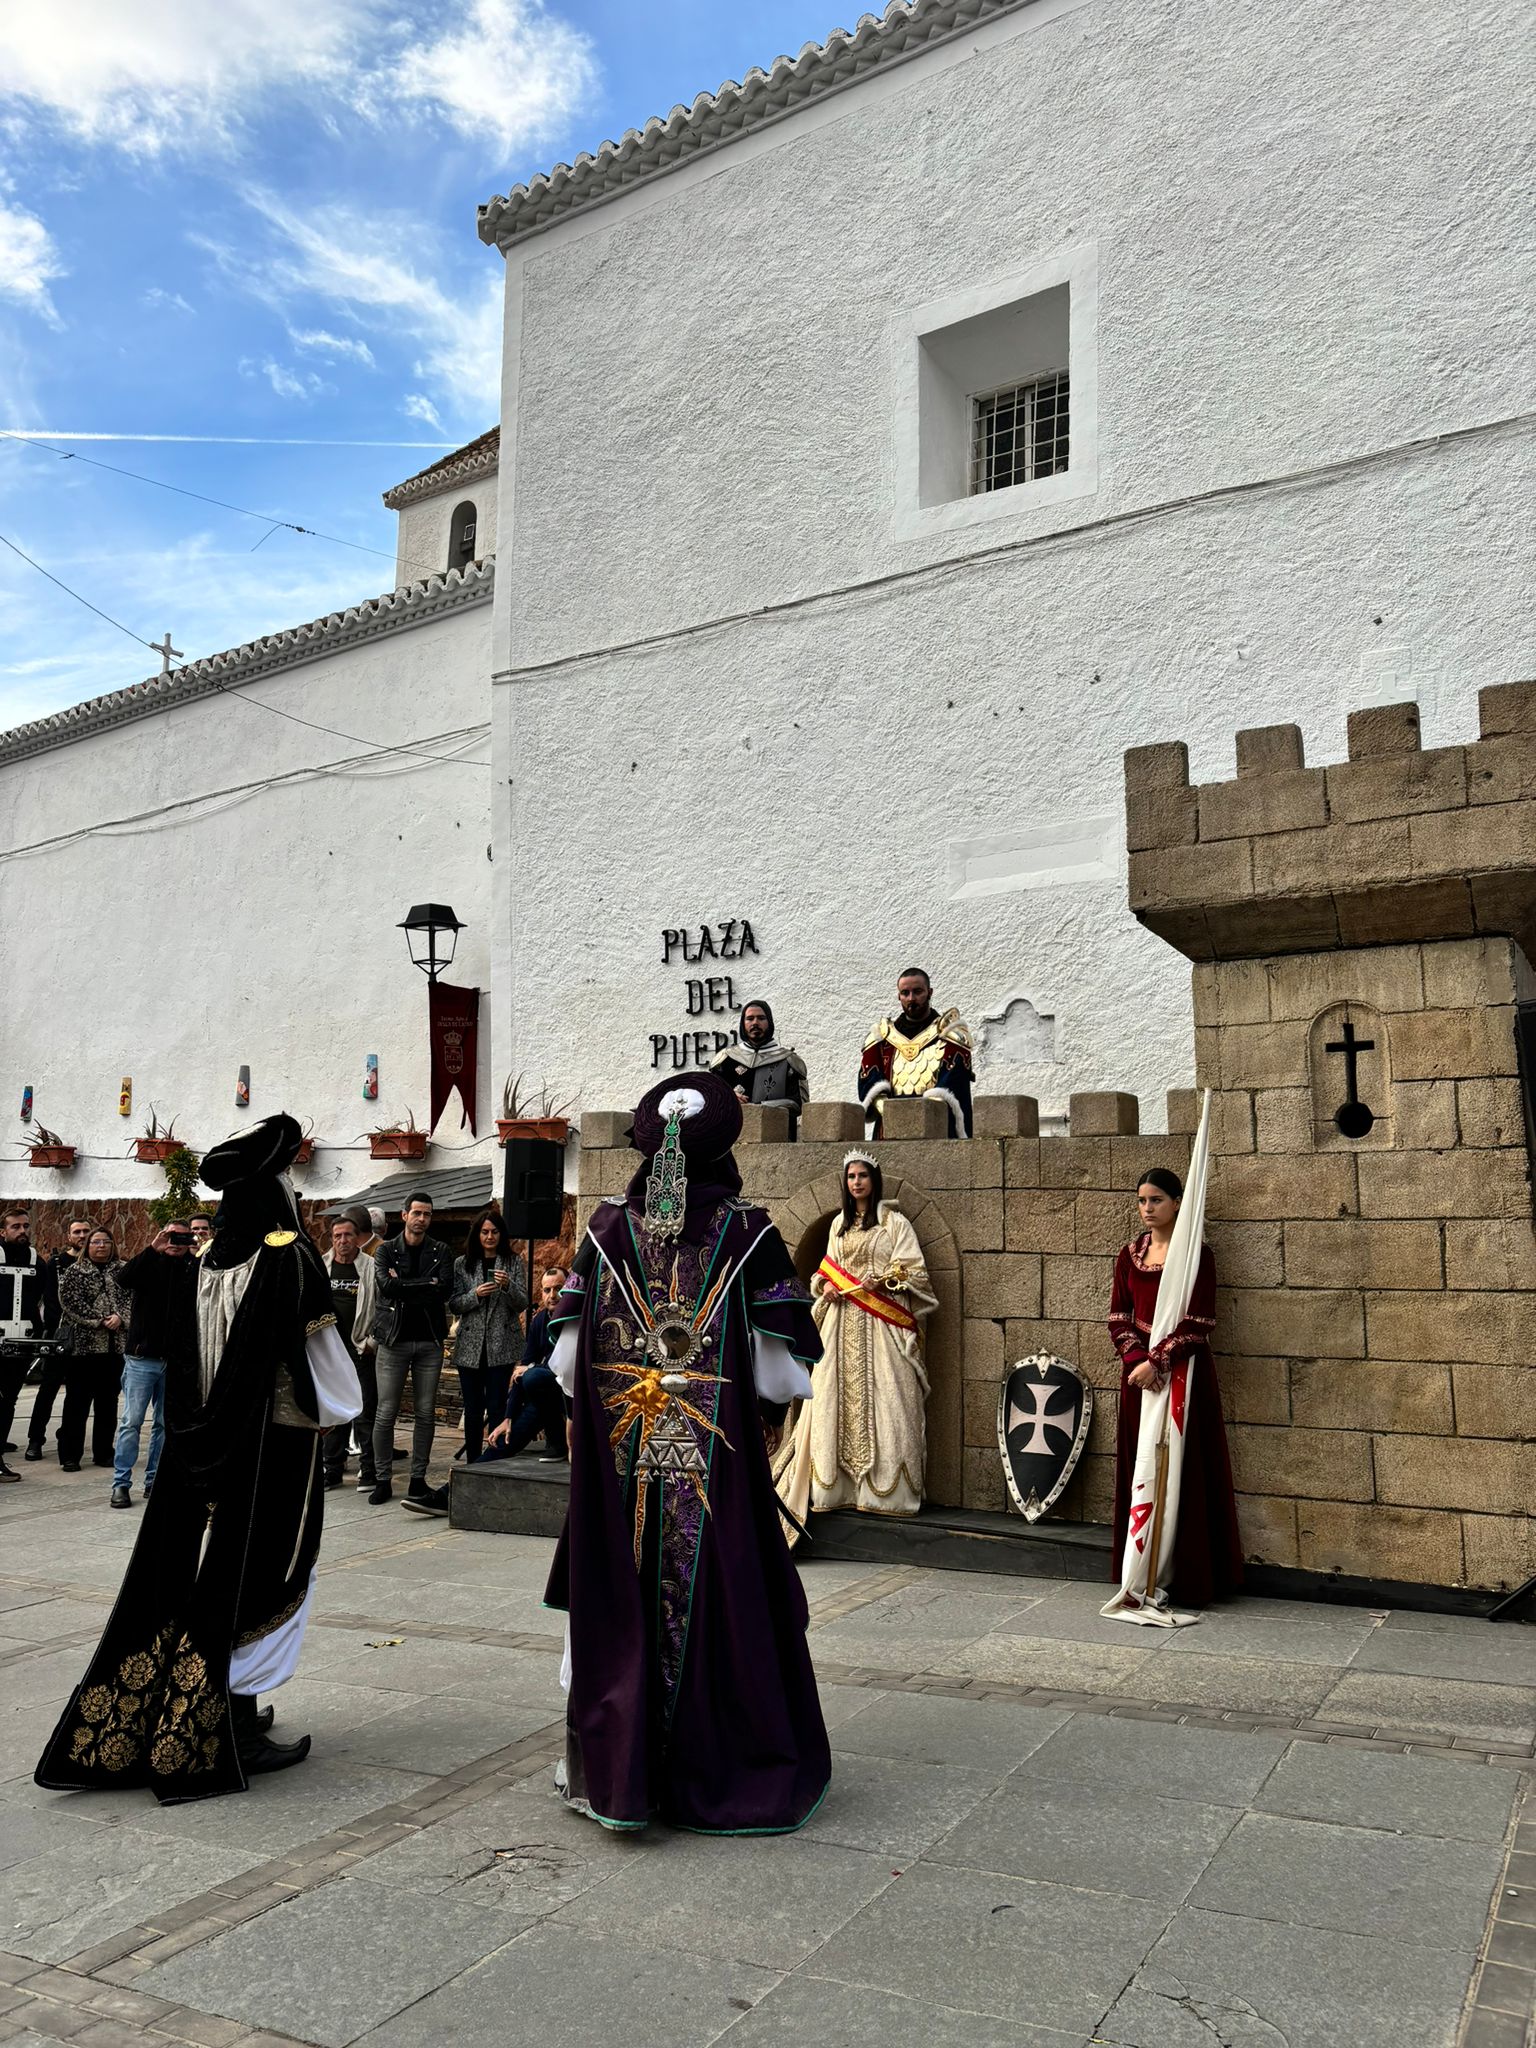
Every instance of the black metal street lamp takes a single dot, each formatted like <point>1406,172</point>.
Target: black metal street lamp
<point>432,932</point>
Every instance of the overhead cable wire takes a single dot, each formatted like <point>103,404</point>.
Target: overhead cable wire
<point>244,511</point>
<point>233,793</point>
<point>224,689</point>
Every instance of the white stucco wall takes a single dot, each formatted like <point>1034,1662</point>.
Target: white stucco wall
<point>1299,223</point>
<point>256,928</point>
<point>422,530</point>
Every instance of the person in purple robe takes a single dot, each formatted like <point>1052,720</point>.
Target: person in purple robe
<point>682,1335</point>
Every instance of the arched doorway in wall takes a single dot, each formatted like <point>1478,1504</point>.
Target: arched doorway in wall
<point>805,1220</point>
<point>462,531</point>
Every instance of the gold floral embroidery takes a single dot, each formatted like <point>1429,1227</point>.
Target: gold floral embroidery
<point>114,1733</point>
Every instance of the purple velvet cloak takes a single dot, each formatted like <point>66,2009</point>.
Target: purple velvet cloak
<point>692,1697</point>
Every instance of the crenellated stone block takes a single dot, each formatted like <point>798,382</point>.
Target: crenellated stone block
<point>913,1116</point>
<point>605,1130</point>
<point>766,1124</point>
<point>1383,729</point>
<point>835,1123</point>
<point>1005,1116</point>
<point>1501,708</point>
<point>1104,1114</point>
<point>1269,749</point>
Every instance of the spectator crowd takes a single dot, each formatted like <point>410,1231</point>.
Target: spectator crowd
<point>404,1304</point>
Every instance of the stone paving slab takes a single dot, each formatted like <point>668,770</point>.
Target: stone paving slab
<point>967,1881</point>
<point>1365,1789</point>
<point>1406,1888</point>
<point>1267,1984</point>
<point>330,1964</point>
<point>560,1985</point>
<point>1100,1838</point>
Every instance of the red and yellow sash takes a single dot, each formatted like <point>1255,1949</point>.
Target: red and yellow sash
<point>850,1288</point>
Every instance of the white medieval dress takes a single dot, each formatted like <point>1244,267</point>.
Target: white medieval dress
<point>862,1442</point>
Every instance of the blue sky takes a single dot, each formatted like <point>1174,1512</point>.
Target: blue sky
<point>258,220</point>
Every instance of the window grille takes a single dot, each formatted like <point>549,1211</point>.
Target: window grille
<point>1020,433</point>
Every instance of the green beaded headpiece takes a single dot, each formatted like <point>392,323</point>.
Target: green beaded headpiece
<point>666,1185</point>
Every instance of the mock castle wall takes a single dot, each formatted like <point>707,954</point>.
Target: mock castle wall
<point>1378,1285</point>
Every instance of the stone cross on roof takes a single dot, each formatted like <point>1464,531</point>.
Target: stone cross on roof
<point>166,652</point>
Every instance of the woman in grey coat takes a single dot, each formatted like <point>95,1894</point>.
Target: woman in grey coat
<point>490,1292</point>
<point>96,1309</point>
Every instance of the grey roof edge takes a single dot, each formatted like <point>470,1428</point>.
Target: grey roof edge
<point>474,460</point>
<point>907,29</point>
<point>450,1187</point>
<point>416,604</point>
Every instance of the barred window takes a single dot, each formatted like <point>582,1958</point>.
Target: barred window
<point>1020,433</point>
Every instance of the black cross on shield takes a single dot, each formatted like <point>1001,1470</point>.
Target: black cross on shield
<point>1044,1407</point>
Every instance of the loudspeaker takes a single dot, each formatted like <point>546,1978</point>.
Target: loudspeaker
<point>532,1196</point>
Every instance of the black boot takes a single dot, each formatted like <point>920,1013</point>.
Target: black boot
<point>257,1751</point>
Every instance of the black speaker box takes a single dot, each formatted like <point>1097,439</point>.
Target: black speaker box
<point>533,1190</point>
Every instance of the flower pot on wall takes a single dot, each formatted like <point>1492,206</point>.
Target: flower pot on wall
<point>306,1152</point>
<point>60,1157</point>
<point>553,1129</point>
<point>397,1144</point>
<point>155,1151</point>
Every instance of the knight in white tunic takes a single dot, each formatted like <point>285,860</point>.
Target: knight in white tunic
<point>862,1442</point>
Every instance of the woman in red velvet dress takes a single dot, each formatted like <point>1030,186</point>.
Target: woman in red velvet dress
<point>1208,1554</point>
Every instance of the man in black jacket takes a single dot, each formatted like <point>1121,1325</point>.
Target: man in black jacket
<point>28,1308</point>
<point>162,1324</point>
<point>415,1280</point>
<point>61,1366</point>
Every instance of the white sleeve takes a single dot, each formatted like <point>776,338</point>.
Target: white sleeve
<point>562,1360</point>
<point>779,1375</point>
<point>338,1396</point>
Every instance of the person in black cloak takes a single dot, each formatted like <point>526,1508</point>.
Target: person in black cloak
<point>682,1335</point>
<point>213,1607</point>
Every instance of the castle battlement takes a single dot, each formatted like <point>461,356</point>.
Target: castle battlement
<point>1396,843</point>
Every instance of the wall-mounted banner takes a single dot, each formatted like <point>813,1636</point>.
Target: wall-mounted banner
<point>453,1022</point>
<point>371,1078</point>
<point>26,1105</point>
<point>125,1097</point>
<point>243,1088</point>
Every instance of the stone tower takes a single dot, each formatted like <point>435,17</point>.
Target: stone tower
<point>1361,936</point>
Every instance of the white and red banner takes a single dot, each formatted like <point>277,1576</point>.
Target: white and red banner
<point>1147,1565</point>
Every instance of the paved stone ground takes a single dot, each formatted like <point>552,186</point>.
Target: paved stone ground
<point>1292,1827</point>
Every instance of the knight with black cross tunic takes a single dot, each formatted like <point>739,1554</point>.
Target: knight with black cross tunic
<point>918,1051</point>
<point>218,1590</point>
<point>682,1335</point>
<point>762,1071</point>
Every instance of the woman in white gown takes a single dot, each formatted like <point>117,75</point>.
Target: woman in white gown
<point>861,1442</point>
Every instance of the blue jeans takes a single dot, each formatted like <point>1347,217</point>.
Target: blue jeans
<point>143,1386</point>
<point>534,1403</point>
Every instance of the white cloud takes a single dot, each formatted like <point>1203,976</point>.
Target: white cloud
<point>418,406</point>
<point>349,259</point>
<point>181,75</point>
<point>332,345</point>
<point>285,382</point>
<point>171,75</point>
<point>158,300</point>
<point>29,261</point>
<point>511,73</point>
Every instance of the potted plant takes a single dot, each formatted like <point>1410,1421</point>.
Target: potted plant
<point>157,1141</point>
<point>47,1148</point>
<point>306,1151</point>
<point>181,1198</point>
<point>398,1140</point>
<point>535,1117</point>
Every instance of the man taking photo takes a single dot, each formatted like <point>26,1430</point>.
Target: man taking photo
<point>162,1324</point>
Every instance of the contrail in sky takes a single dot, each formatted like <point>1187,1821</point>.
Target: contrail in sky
<point>220,440</point>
